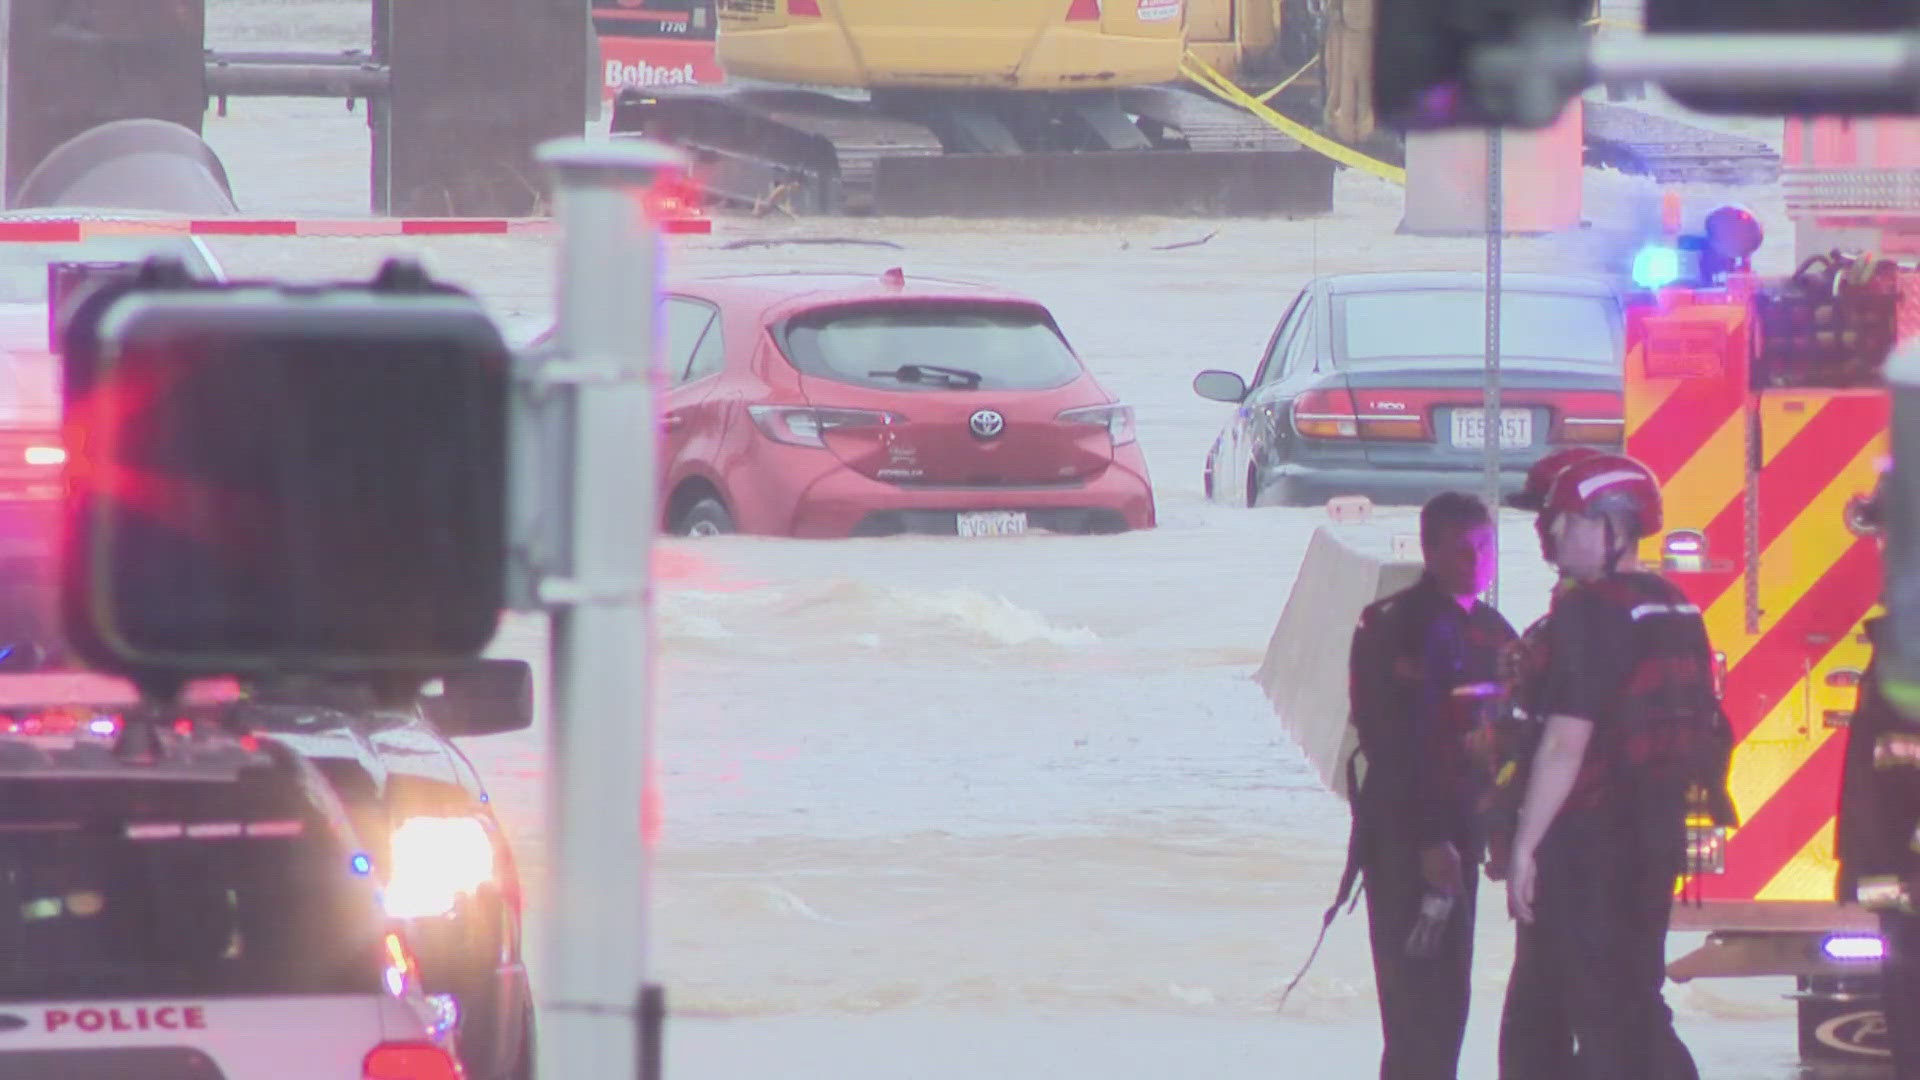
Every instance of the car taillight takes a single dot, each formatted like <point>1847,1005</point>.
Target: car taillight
<point>1084,11</point>
<point>1591,430</point>
<point>1117,419</point>
<point>1329,414</point>
<point>410,1061</point>
<point>1325,414</point>
<point>1392,426</point>
<point>809,8</point>
<point>797,426</point>
<point>434,862</point>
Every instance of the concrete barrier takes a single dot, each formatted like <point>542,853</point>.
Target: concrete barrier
<point>1305,671</point>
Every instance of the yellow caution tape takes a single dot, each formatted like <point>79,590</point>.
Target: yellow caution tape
<point>1288,81</point>
<point>1220,86</point>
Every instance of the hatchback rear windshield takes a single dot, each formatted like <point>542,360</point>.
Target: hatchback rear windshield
<point>88,911</point>
<point>1008,346</point>
<point>1450,323</point>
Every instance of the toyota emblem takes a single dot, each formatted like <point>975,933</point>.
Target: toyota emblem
<point>986,424</point>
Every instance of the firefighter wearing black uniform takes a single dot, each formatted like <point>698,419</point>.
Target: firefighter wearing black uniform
<point>1627,696</point>
<point>1535,1039</point>
<point>1879,813</point>
<point>1424,680</point>
<point>1523,669</point>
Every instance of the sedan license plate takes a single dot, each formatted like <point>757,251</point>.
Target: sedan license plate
<point>1470,428</point>
<point>993,523</point>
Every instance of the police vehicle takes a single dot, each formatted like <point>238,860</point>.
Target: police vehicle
<point>181,901</point>
<point>447,876</point>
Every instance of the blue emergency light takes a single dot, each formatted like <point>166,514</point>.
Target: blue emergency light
<point>1656,267</point>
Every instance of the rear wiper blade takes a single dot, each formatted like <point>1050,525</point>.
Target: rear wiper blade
<point>922,372</point>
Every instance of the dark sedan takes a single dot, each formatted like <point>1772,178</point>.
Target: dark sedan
<point>1374,384</point>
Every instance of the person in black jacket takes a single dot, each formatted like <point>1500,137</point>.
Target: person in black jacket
<point>1425,686</point>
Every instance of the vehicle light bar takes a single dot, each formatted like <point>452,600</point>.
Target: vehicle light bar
<point>1853,947</point>
<point>213,830</point>
<point>72,230</point>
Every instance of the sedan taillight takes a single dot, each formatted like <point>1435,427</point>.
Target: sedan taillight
<point>1329,414</point>
<point>1325,414</point>
<point>1591,430</point>
<point>410,1061</point>
<point>1116,418</point>
<point>798,426</point>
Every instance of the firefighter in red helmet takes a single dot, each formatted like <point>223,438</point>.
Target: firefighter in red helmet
<point>1523,666</point>
<point>1628,707</point>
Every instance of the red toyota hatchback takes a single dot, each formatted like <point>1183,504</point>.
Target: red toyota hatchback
<point>831,405</point>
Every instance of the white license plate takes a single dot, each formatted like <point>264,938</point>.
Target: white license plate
<point>993,523</point>
<point>1470,428</point>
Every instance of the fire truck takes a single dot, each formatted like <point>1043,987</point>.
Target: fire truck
<point>1759,406</point>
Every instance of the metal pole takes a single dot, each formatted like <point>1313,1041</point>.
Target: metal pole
<point>380,118</point>
<point>1496,227</point>
<point>600,737</point>
<point>1761,61</point>
<point>1549,64</point>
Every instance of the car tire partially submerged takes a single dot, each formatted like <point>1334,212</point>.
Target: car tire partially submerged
<point>708,517</point>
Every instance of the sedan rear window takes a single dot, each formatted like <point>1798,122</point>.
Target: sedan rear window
<point>1452,323</point>
<point>932,347</point>
<point>131,903</point>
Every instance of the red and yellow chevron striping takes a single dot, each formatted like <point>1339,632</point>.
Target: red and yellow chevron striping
<point>1787,618</point>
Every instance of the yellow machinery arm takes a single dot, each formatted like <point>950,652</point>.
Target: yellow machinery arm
<point>1347,55</point>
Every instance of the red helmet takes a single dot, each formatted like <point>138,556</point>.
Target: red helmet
<point>1533,494</point>
<point>1604,482</point>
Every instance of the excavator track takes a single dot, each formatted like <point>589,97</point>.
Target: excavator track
<point>1144,150</point>
<point>1205,124</point>
<point>802,151</point>
<point>1673,151</point>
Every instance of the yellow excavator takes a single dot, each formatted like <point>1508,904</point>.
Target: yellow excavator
<point>1014,106</point>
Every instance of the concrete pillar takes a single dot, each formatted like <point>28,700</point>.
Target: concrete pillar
<point>1541,176</point>
<point>72,65</point>
<point>477,84</point>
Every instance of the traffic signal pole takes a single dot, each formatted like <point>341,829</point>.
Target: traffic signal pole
<point>596,431</point>
<point>1490,441</point>
<point>1534,76</point>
